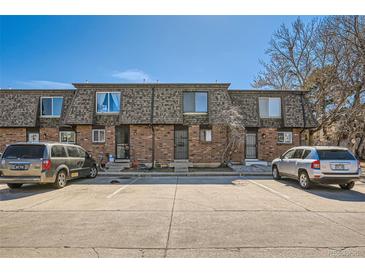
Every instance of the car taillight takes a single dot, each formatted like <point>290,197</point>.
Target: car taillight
<point>46,165</point>
<point>316,164</point>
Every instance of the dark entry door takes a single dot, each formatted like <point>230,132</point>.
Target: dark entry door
<point>251,146</point>
<point>122,142</point>
<point>181,143</point>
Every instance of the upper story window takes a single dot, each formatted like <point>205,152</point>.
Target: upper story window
<point>107,102</point>
<point>51,106</point>
<point>195,102</point>
<point>270,107</point>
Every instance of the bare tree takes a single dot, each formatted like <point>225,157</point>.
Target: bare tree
<point>234,121</point>
<point>327,58</point>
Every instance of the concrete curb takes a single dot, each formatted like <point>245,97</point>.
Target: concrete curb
<point>174,174</point>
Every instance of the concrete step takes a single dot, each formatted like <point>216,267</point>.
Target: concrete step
<point>181,165</point>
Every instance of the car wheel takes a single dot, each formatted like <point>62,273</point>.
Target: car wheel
<point>12,186</point>
<point>348,185</point>
<point>304,180</point>
<point>61,179</point>
<point>93,172</point>
<point>275,173</point>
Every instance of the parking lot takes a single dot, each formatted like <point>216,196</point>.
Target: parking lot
<point>182,217</point>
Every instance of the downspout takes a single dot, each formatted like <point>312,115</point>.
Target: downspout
<point>303,112</point>
<point>152,127</point>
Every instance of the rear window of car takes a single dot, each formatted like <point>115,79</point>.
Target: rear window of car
<point>334,154</point>
<point>24,152</point>
<point>306,153</point>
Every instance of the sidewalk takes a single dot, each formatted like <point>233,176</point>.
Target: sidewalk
<point>233,171</point>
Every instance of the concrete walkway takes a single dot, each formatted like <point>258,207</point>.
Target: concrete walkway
<point>174,174</point>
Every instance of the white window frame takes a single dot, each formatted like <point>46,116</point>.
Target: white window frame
<point>195,111</point>
<point>108,92</point>
<point>33,134</point>
<point>288,137</point>
<point>268,110</point>
<point>67,131</point>
<point>50,97</point>
<point>201,130</point>
<point>92,135</point>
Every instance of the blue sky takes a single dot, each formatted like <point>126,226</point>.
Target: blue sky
<point>54,51</point>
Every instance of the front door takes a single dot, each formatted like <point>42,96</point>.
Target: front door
<point>181,143</point>
<point>251,146</point>
<point>122,142</point>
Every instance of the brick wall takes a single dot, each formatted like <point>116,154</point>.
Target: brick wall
<point>97,150</point>
<point>207,152</point>
<point>268,148</point>
<point>11,135</point>
<point>49,134</point>
<point>164,143</point>
<point>141,143</point>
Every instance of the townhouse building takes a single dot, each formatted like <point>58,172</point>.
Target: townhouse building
<point>157,123</point>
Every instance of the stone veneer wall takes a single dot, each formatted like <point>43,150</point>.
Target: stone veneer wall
<point>11,135</point>
<point>268,148</point>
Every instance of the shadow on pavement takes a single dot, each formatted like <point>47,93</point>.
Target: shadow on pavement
<point>333,192</point>
<point>8,194</point>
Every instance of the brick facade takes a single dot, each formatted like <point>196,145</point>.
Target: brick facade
<point>140,143</point>
<point>164,144</point>
<point>268,148</point>
<point>11,135</point>
<point>207,152</point>
<point>49,134</point>
<point>100,151</point>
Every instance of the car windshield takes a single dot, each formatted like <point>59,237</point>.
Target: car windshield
<point>334,154</point>
<point>24,152</point>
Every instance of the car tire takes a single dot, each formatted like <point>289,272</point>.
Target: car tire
<point>93,172</point>
<point>275,173</point>
<point>304,180</point>
<point>348,185</point>
<point>61,179</point>
<point>13,186</point>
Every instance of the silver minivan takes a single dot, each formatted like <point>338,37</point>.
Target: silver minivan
<point>318,164</point>
<point>45,163</point>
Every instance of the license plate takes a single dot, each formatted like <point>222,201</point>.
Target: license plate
<point>19,167</point>
<point>339,166</point>
<point>74,174</point>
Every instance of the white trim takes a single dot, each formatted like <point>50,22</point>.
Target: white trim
<point>51,97</point>
<point>66,131</point>
<point>98,130</point>
<point>107,92</point>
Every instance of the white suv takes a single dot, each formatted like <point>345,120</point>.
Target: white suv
<point>318,164</point>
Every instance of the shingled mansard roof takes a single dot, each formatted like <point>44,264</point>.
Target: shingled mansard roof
<point>20,108</point>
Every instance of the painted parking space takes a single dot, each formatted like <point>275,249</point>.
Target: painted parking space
<point>182,216</point>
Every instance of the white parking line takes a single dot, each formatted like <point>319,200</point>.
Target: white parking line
<point>269,189</point>
<point>120,189</point>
